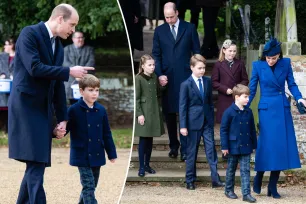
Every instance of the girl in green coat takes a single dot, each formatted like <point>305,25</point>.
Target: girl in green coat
<point>149,121</point>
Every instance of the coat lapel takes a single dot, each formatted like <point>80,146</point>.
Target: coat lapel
<point>268,72</point>
<point>180,32</point>
<point>168,31</point>
<point>195,87</point>
<point>227,69</point>
<point>234,68</point>
<point>47,40</point>
<point>278,70</point>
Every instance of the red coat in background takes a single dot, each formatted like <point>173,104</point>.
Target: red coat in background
<point>223,77</point>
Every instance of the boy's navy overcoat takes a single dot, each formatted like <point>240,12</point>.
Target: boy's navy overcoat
<point>90,135</point>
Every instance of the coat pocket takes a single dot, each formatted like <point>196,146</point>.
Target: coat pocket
<point>142,100</point>
<point>26,90</point>
<point>262,106</point>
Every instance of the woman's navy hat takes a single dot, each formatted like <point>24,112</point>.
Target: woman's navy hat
<point>272,47</point>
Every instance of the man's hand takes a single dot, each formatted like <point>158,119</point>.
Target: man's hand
<point>141,120</point>
<point>2,76</point>
<point>59,133</point>
<point>112,160</point>
<point>79,71</point>
<point>62,125</point>
<point>225,152</point>
<point>163,80</point>
<point>184,131</point>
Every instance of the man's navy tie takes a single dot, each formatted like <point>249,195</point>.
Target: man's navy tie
<point>173,32</point>
<point>201,88</point>
<point>52,43</point>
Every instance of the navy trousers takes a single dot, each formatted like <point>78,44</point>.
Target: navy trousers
<point>193,142</point>
<point>232,163</point>
<point>172,133</point>
<point>31,188</point>
<point>89,179</point>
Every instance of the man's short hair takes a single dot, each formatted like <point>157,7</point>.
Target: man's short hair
<point>89,80</point>
<point>240,89</point>
<point>73,34</point>
<point>62,10</point>
<point>172,5</point>
<point>197,58</point>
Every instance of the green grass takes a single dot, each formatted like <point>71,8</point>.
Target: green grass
<point>122,139</point>
<point>113,51</point>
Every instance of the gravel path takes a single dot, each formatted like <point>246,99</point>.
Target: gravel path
<point>62,183</point>
<point>146,194</point>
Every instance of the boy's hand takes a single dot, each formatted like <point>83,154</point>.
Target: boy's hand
<point>112,160</point>
<point>58,132</point>
<point>229,91</point>
<point>141,120</point>
<point>225,152</point>
<point>184,131</point>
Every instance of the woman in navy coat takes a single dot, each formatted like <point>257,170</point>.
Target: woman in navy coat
<point>277,148</point>
<point>227,72</point>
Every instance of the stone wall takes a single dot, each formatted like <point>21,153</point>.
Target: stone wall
<point>118,99</point>
<point>299,71</point>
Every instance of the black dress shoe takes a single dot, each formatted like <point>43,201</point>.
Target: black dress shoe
<point>183,157</point>
<point>173,153</point>
<point>217,184</point>
<point>231,195</point>
<point>190,186</point>
<point>141,172</point>
<point>149,170</point>
<point>249,198</point>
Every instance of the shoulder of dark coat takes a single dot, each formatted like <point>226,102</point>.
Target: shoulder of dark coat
<point>100,106</point>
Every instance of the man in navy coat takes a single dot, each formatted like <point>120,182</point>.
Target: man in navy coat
<point>173,44</point>
<point>37,92</point>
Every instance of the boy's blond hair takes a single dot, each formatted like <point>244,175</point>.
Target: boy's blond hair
<point>240,89</point>
<point>89,80</point>
<point>197,58</point>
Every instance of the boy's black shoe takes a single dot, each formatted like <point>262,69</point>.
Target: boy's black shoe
<point>249,198</point>
<point>190,186</point>
<point>217,184</point>
<point>173,153</point>
<point>149,170</point>
<point>183,157</point>
<point>231,195</point>
<point>141,172</point>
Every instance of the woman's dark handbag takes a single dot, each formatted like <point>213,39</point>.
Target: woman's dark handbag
<point>300,106</point>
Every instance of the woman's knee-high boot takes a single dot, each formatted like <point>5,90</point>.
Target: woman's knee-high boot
<point>258,181</point>
<point>272,187</point>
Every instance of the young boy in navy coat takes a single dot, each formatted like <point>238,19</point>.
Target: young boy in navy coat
<point>196,113</point>
<point>90,137</point>
<point>238,139</point>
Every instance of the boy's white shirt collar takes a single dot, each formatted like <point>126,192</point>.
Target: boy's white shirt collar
<point>197,82</point>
